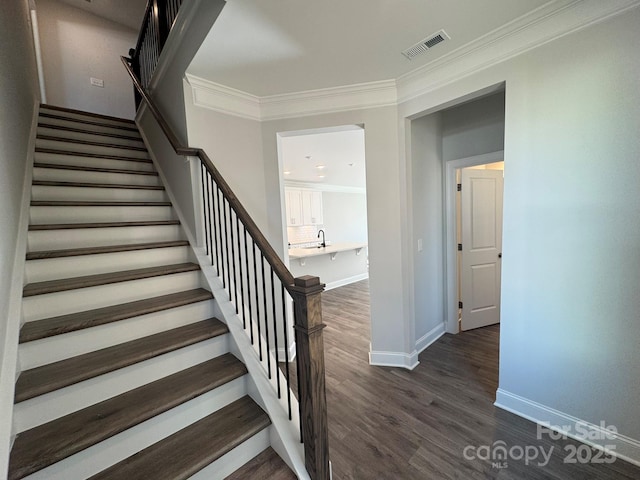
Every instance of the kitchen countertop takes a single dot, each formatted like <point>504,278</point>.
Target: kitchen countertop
<point>329,249</point>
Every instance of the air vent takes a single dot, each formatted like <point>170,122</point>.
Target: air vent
<point>426,44</point>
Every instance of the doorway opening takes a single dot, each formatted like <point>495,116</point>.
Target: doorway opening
<point>324,206</point>
<point>479,192</point>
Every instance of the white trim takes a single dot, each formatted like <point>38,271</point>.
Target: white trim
<point>220,98</point>
<point>450,243</point>
<point>542,25</point>
<point>329,100</point>
<point>9,362</point>
<point>211,95</point>
<point>625,448</point>
<point>394,359</point>
<point>430,337</point>
<point>322,187</point>
<point>346,281</point>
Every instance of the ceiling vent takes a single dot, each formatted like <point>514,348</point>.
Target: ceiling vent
<point>426,44</point>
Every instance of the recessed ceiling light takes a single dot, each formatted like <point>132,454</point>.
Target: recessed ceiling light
<point>308,157</point>
<point>320,176</point>
<point>287,172</point>
<point>319,167</point>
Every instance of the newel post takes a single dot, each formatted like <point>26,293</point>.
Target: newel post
<point>308,326</point>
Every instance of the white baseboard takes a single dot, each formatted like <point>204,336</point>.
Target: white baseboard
<point>346,281</point>
<point>597,436</point>
<point>394,359</point>
<point>431,336</point>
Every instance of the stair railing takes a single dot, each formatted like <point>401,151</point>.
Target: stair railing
<point>263,291</point>
<point>158,19</point>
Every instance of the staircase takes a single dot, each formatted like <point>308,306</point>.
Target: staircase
<point>125,371</point>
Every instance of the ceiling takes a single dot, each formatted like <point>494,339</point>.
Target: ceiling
<point>270,47</point>
<point>125,12</point>
<point>339,151</point>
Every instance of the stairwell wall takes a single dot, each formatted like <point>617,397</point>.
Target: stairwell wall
<point>192,24</point>
<point>77,45</point>
<point>19,100</point>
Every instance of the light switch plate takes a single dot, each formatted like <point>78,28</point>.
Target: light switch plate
<point>97,82</point>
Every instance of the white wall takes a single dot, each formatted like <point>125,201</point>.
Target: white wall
<point>391,337</point>
<point>571,266</point>
<point>473,128</point>
<point>76,46</point>
<point>234,145</point>
<point>345,216</point>
<point>428,224</point>
<point>19,98</point>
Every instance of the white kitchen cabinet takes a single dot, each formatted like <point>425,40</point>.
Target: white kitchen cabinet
<point>304,207</point>
<point>312,207</point>
<point>293,201</point>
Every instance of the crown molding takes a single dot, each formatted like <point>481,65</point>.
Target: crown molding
<point>322,187</point>
<point>329,100</point>
<point>214,96</point>
<point>223,99</point>
<point>551,21</point>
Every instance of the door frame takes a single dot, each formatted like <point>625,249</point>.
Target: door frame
<point>450,240</point>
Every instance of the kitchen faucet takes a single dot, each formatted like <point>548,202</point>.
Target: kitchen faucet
<point>324,242</point>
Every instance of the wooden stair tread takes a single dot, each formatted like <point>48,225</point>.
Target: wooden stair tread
<point>52,286</point>
<point>189,450</point>
<point>53,376</point>
<point>56,151</point>
<point>76,252</point>
<point>87,142</point>
<point>66,226</point>
<point>85,114</point>
<point>96,122</point>
<point>89,132</point>
<point>96,203</point>
<point>266,465</point>
<point>52,183</point>
<point>92,169</point>
<point>78,321</point>
<point>46,444</point>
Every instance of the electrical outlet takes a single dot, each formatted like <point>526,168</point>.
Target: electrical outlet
<point>419,244</point>
<point>97,82</point>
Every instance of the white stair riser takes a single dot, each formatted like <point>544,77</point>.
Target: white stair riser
<point>45,408</point>
<point>81,117</point>
<point>63,175</point>
<point>40,240</point>
<point>48,305</point>
<point>236,458</point>
<point>78,266</point>
<point>52,215</point>
<point>89,126</point>
<point>60,347</point>
<point>115,449</point>
<point>94,162</point>
<point>90,137</point>
<point>47,193</point>
<point>80,147</point>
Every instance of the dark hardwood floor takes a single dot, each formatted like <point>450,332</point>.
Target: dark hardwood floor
<point>390,423</point>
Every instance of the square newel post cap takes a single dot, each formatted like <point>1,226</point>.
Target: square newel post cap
<point>308,284</point>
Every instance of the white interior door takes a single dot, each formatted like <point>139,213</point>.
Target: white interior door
<point>481,199</point>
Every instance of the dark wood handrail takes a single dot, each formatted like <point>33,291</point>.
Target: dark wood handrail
<point>264,246</point>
